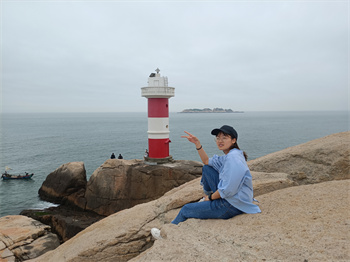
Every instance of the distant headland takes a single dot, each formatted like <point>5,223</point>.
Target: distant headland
<point>209,110</point>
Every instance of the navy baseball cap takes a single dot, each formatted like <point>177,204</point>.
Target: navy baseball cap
<point>225,129</point>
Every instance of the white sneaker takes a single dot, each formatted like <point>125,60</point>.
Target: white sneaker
<point>156,233</point>
<point>202,199</point>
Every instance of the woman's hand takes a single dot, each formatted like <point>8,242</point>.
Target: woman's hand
<point>192,139</point>
<point>200,150</point>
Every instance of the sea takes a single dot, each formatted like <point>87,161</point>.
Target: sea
<point>40,143</point>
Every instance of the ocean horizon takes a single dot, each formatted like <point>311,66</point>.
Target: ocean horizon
<point>40,143</point>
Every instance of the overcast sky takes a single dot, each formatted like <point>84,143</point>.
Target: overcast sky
<point>94,56</point>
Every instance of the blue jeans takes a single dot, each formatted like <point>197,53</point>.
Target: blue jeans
<point>218,208</point>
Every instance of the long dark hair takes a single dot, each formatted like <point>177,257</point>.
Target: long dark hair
<point>235,145</point>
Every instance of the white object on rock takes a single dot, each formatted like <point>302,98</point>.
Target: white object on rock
<point>156,233</point>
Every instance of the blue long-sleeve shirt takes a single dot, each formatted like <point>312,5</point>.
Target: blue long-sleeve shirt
<point>235,183</point>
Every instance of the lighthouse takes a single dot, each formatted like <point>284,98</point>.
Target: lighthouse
<point>158,93</point>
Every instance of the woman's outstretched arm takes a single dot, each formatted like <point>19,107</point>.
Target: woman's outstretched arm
<point>204,157</point>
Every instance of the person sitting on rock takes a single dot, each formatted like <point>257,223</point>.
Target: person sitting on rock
<point>226,180</point>
<point>113,156</point>
<point>120,156</point>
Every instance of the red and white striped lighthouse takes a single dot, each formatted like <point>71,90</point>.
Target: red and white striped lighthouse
<point>158,93</point>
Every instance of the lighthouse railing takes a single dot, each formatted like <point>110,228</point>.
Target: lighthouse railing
<point>158,91</point>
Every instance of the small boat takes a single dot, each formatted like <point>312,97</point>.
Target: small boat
<point>6,176</point>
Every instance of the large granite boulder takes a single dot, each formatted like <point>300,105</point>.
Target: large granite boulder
<point>297,223</point>
<point>120,184</point>
<point>319,160</point>
<point>65,185</point>
<point>23,238</point>
<point>115,185</point>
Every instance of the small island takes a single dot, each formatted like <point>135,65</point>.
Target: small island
<point>208,110</point>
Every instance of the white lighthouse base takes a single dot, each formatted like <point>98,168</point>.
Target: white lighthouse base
<point>155,161</point>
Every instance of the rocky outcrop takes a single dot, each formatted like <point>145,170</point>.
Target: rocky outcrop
<point>116,184</point>
<point>120,184</point>
<point>126,234</point>
<point>23,238</point>
<point>297,223</point>
<point>64,221</point>
<point>65,185</point>
<point>319,160</point>
<point>289,215</point>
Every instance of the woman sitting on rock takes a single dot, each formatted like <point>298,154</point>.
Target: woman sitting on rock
<point>226,181</point>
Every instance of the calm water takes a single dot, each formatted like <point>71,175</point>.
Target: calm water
<point>40,143</point>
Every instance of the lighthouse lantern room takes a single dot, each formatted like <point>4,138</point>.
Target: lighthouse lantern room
<point>158,93</point>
